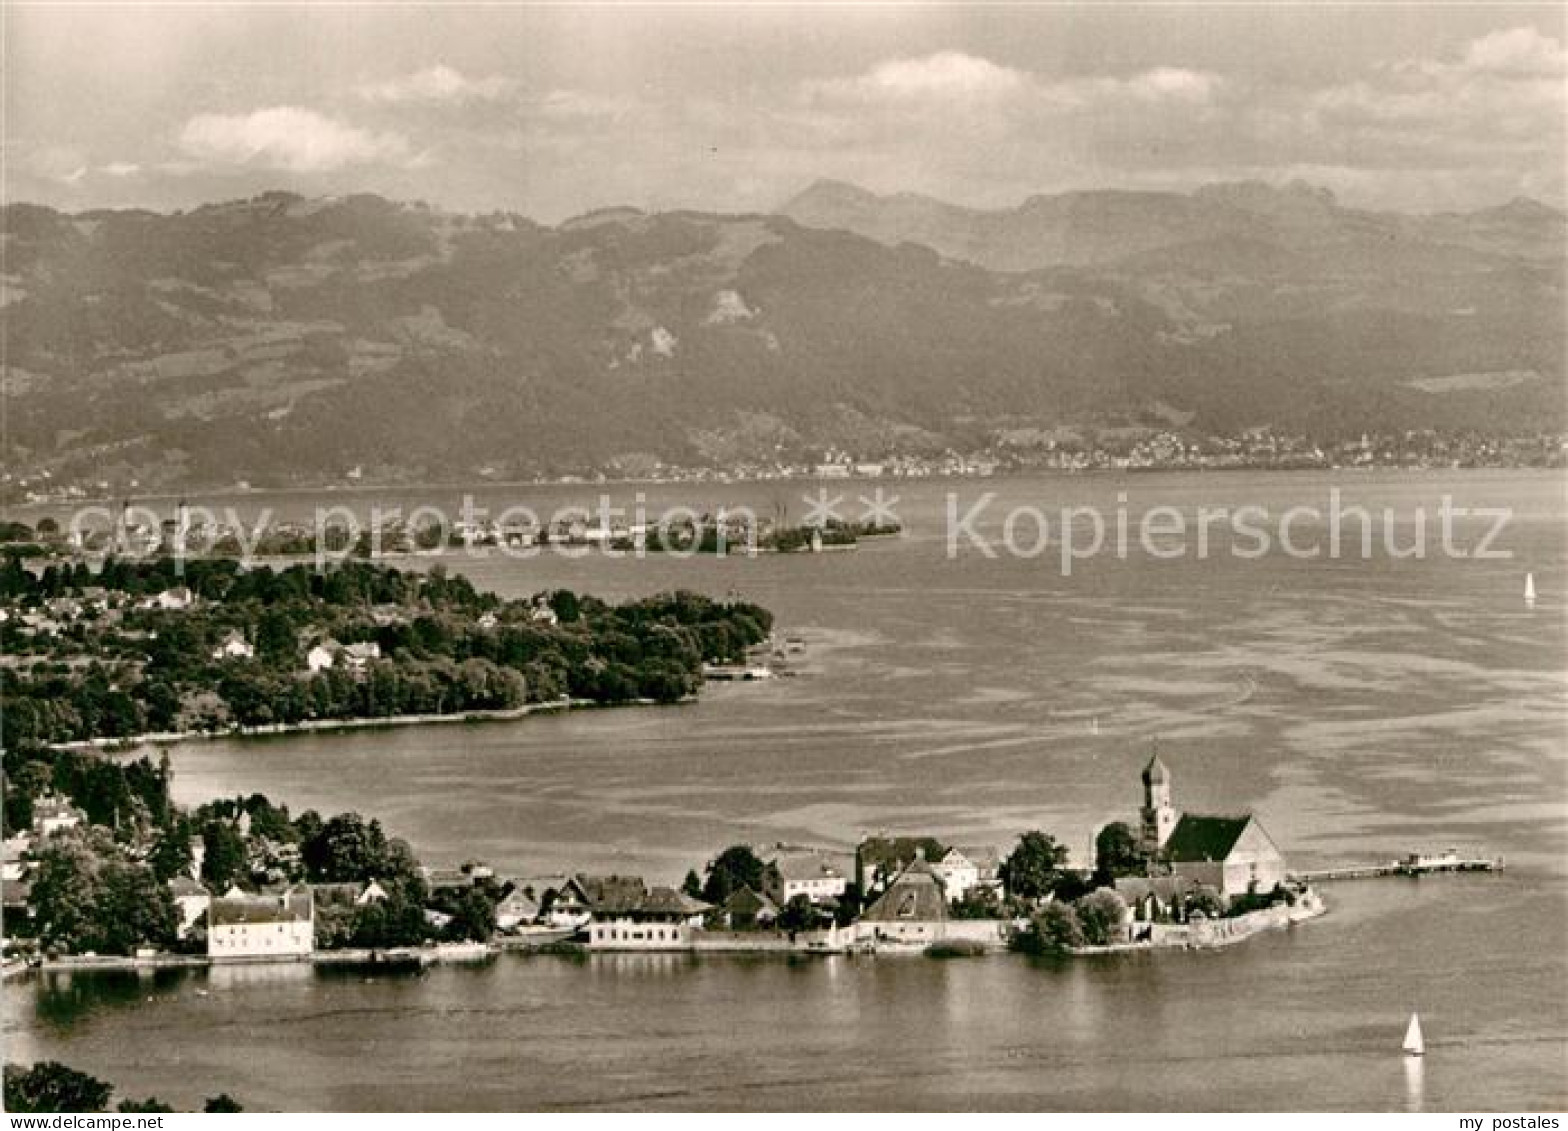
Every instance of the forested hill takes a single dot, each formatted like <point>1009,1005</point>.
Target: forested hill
<point>282,340</point>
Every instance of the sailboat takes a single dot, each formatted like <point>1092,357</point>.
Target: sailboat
<point>1529,588</point>
<point>1414,1045</point>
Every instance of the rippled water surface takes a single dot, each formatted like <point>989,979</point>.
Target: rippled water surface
<point>1360,708</point>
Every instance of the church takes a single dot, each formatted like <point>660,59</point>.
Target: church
<point>1231,854</point>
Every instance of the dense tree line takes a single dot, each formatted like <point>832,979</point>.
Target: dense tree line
<point>50,1086</point>
<point>122,795</point>
<point>444,648</point>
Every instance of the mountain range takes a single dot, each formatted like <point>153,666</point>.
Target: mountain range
<point>285,340</point>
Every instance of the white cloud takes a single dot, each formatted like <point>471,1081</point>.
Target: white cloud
<point>1520,51</point>
<point>288,137</point>
<point>1175,83</point>
<point>952,84</point>
<point>1506,89</point>
<point>436,85</point>
<point>122,168</point>
<point>944,75</point>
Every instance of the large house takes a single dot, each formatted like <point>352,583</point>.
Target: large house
<point>963,870</point>
<point>1231,854</point>
<point>659,918</point>
<point>570,903</point>
<point>913,909</point>
<point>807,873</point>
<point>242,926</point>
<point>516,909</point>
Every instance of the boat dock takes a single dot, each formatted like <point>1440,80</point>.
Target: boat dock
<point>1416,864</point>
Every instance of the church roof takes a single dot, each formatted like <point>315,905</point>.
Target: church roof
<point>1197,839</point>
<point>915,895</point>
<point>1155,771</point>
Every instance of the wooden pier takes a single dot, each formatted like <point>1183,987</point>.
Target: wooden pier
<point>1415,864</point>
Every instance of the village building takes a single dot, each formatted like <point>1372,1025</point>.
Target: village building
<point>963,870</point>
<point>1234,855</point>
<point>346,895</point>
<point>660,918</point>
<point>322,656</point>
<point>233,647</point>
<point>878,859</point>
<point>912,911</point>
<point>13,862</point>
<point>808,873</point>
<point>53,813</point>
<point>1156,899</point>
<point>359,655</point>
<point>191,900</point>
<point>517,909</point>
<point>175,599</point>
<point>573,900</point>
<point>749,910</point>
<point>16,904</point>
<point>250,927</point>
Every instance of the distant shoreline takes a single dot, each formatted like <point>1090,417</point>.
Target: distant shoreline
<point>131,743</point>
<point>198,492</point>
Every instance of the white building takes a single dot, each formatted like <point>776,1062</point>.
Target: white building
<point>806,873</point>
<point>251,927</point>
<point>358,655</point>
<point>233,647</point>
<point>322,656</point>
<point>53,813</point>
<point>171,600</point>
<point>963,869</point>
<point>661,919</point>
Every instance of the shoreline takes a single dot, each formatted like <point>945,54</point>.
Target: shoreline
<point>1216,935</point>
<point>230,491</point>
<point>131,743</point>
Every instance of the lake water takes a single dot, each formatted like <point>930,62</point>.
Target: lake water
<point>1361,708</point>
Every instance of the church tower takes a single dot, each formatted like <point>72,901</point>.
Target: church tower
<point>1159,818</point>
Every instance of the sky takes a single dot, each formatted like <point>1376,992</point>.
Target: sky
<point>551,111</point>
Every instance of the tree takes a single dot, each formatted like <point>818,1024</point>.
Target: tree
<point>276,642</point>
<point>849,905</point>
<point>133,909</point>
<point>799,914</point>
<point>224,860</point>
<point>734,868</point>
<point>1206,901</point>
<point>473,917</point>
<point>692,884</point>
<point>51,1086</point>
<point>221,1103</point>
<point>1032,870</point>
<point>1118,852</point>
<point>1055,930</point>
<point>979,902</point>
<point>1101,914</point>
<point>171,855</point>
<point>150,1104</point>
<point>348,849</point>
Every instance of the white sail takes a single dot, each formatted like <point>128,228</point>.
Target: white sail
<point>1414,1044</point>
<point>1529,588</point>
